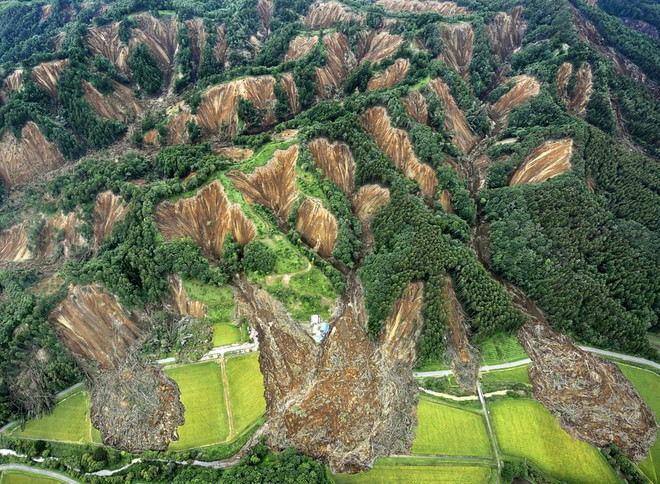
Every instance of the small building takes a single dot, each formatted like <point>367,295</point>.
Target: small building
<point>318,327</point>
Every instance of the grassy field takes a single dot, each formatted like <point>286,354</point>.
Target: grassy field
<point>22,477</point>
<point>445,430</point>
<point>501,348</point>
<point>525,428</point>
<point>69,421</point>
<point>226,334</point>
<point>246,389</point>
<point>289,259</point>
<point>390,472</point>
<point>510,375</point>
<point>202,394</point>
<point>647,384</point>
<point>220,300</point>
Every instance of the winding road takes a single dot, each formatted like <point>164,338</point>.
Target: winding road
<point>36,470</point>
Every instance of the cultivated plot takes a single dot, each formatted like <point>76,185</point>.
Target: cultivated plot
<point>246,390</point>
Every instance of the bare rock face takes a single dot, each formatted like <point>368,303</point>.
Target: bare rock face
<point>136,407</point>
<point>507,32</point>
<point>119,105</point>
<point>336,162</point>
<point>272,185</point>
<point>577,101</point>
<point>391,76</point>
<point>339,65</point>
<point>300,46</point>
<point>207,218</point>
<point>416,108</point>
<point>159,35</point>
<point>396,145</point>
<point>182,303</point>
<point>105,41</point>
<point>317,226</point>
<point>374,46</point>
<point>457,47</point>
<point>524,88</point>
<point>348,400</point>
<point>590,397</point>
<point>46,75</point>
<point>325,15</point>
<point>14,243</point>
<point>546,161</point>
<point>455,123</point>
<point>443,8</point>
<point>23,159</point>
<point>108,210</point>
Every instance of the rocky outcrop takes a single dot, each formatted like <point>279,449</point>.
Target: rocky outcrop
<point>182,304</point>
<point>119,105</point>
<point>374,46</point>
<point>340,63</point>
<point>524,88</point>
<point>589,395</point>
<point>272,185</point>
<point>577,100</point>
<point>289,85</point>
<point>159,35</point>
<point>46,75</point>
<point>391,76</point>
<point>94,326</point>
<point>21,160</point>
<point>442,8</point>
<point>317,226</point>
<point>108,210</point>
<point>457,47</point>
<point>416,108</point>
<point>396,145</point>
<point>546,161</point>
<point>405,321</point>
<point>105,41</point>
<point>455,123</point>
<point>60,233</point>
<point>336,162</point>
<point>507,32</point>
<point>300,46</point>
<point>325,15</point>
<point>14,243</point>
<point>344,402</point>
<point>207,218</point>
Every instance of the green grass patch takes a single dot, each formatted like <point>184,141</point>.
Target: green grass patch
<point>501,348</point>
<point>526,429</point>
<point>391,473</point>
<point>202,394</point>
<point>220,300</point>
<point>69,422</point>
<point>226,334</point>
<point>289,258</point>
<point>445,430</point>
<point>24,477</point>
<point>264,154</point>
<point>510,375</point>
<point>647,384</point>
<point>246,390</point>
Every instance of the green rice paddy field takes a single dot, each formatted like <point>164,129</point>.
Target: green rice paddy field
<point>246,390</point>
<point>22,477</point>
<point>405,471</point>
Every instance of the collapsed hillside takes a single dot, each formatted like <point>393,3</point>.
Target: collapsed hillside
<point>544,162</point>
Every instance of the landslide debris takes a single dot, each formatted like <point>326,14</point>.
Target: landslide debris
<point>546,161</point>
<point>234,153</point>
<point>346,401</point>
<point>507,32</point>
<point>577,100</point>
<point>207,218</point>
<point>396,145</point>
<point>289,86</point>
<point>391,76</point>
<point>300,46</point>
<point>524,87</point>
<point>405,321</point>
<point>106,41</point>
<point>60,233</point>
<point>272,185</point>
<point>336,162</point>
<point>416,108</point>
<point>365,203</point>
<point>182,304</point>
<point>339,65</point>
<point>443,8</point>
<point>14,243</point>
<point>21,160</point>
<point>119,105</point>
<point>589,395</point>
<point>159,35</point>
<point>374,46</point>
<point>108,210</point>
<point>457,47</point>
<point>317,226</point>
<point>455,123</point>
<point>46,75</point>
<point>325,15</point>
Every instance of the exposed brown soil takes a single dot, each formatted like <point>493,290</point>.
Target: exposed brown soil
<point>21,160</point>
<point>589,395</point>
<point>220,48</point>
<point>339,65</point>
<point>45,75</point>
<point>524,88</point>
<point>546,161</point>
<point>108,210</point>
<point>94,326</point>
<point>12,82</point>
<point>457,47</point>
<point>455,123</point>
<point>272,185</point>
<point>105,41</point>
<point>285,135</point>
<point>234,153</point>
<point>391,76</point>
<point>336,162</point>
<point>405,321</point>
<point>207,218</point>
<point>325,15</point>
<point>442,8</point>
<point>507,32</point>
<point>445,201</point>
<point>374,46</point>
<point>159,35</point>
<point>119,105</point>
<point>289,85</point>
<point>198,38</point>
<point>366,203</point>
<point>300,46</point>
<point>578,100</point>
<point>396,145</point>
<point>317,226</point>
<point>642,26</point>
<point>344,401</point>
<point>60,231</point>
<point>14,243</point>
<point>265,10</point>
<point>416,106</point>
<point>182,304</point>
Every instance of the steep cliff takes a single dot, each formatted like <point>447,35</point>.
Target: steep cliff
<point>21,160</point>
<point>108,210</point>
<point>416,106</point>
<point>182,304</point>
<point>343,402</point>
<point>300,46</point>
<point>455,123</point>
<point>325,15</point>
<point>336,162</point>
<point>507,32</point>
<point>457,47</point>
<point>272,185</point>
<point>105,41</point>
<point>524,88</point>
<point>317,226</point>
<point>45,75</point>
<point>577,100</point>
<point>120,104</point>
<point>548,160</point>
<point>396,145</point>
<point>374,46</point>
<point>14,243</point>
<point>391,76</point>
<point>207,218</point>
<point>339,65</point>
<point>159,35</point>
<point>442,8</point>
